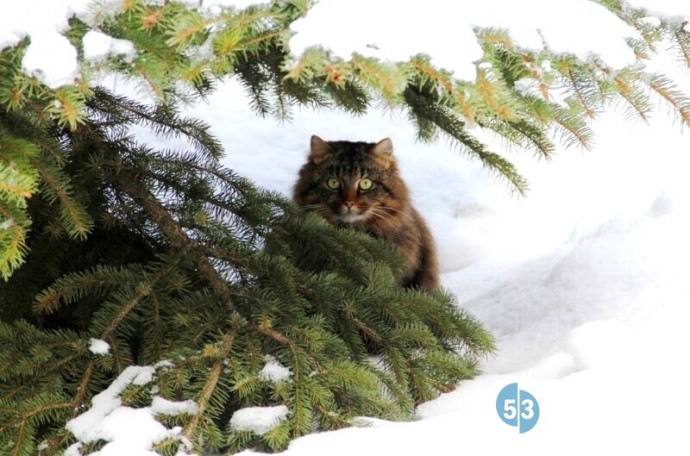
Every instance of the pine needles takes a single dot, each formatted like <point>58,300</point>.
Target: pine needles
<point>218,279</point>
<point>182,266</point>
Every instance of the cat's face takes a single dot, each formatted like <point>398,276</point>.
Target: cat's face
<point>350,183</point>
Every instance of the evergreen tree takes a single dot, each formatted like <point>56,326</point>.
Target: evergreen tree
<point>177,263</point>
<point>189,263</point>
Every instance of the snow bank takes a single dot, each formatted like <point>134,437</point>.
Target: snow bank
<point>594,327</point>
<point>582,282</point>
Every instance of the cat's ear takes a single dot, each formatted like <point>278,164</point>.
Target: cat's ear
<point>383,153</point>
<point>383,148</point>
<point>320,150</point>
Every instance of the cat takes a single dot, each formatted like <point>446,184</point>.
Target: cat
<point>357,184</point>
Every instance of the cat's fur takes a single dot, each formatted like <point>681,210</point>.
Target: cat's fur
<point>384,210</point>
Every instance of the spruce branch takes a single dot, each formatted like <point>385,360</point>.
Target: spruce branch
<point>634,98</point>
<point>496,102</point>
<point>73,287</point>
<point>430,75</point>
<point>210,385</point>
<point>83,388</point>
<point>423,111</point>
<point>73,216</point>
<point>174,233</point>
<point>667,90</point>
<point>582,97</point>
<point>24,420</point>
<point>164,119</point>
<point>535,137</point>
<point>682,39</point>
<point>142,290</point>
<point>13,234</point>
<point>388,80</point>
<point>575,132</point>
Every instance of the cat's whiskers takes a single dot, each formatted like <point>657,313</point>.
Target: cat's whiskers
<point>383,216</point>
<point>404,213</point>
<point>383,213</point>
<point>388,208</point>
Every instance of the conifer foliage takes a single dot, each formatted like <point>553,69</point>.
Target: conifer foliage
<point>209,279</point>
<point>207,289</point>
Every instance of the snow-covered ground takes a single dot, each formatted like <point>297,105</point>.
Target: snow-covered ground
<point>583,282</point>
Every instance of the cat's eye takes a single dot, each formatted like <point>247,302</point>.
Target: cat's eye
<point>333,183</point>
<point>365,184</point>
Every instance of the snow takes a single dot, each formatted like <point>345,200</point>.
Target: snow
<point>583,282</point>
<point>99,347</point>
<point>398,30</point>
<point>107,401</point>
<point>274,371</point>
<point>53,60</point>
<point>50,56</point>
<point>162,406</point>
<point>651,20</point>
<point>233,3</point>
<point>667,9</point>
<point>130,431</point>
<point>258,420</point>
<point>528,87</point>
<point>99,46</point>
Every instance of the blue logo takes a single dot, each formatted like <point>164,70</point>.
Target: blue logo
<point>517,408</point>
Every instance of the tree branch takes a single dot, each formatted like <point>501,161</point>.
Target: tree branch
<point>172,230</point>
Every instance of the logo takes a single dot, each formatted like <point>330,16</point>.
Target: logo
<point>517,408</point>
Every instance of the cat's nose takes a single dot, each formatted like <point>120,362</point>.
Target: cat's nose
<point>349,204</point>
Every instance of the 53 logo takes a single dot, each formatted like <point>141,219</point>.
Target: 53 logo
<point>517,408</point>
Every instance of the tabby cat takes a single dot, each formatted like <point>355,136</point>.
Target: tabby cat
<point>357,184</point>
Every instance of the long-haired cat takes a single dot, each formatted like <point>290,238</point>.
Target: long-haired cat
<point>353,184</point>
